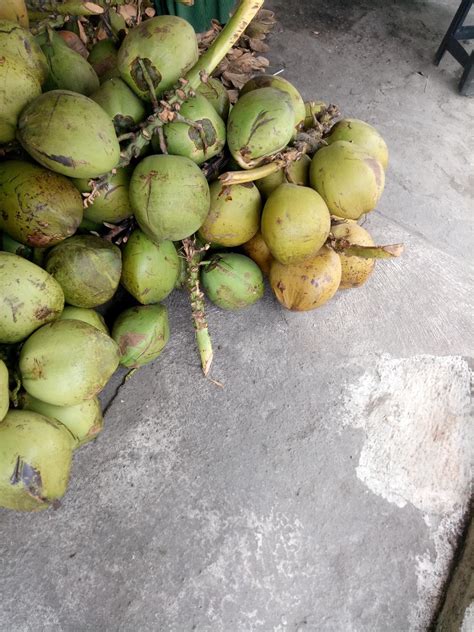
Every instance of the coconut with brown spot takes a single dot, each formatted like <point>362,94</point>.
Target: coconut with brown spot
<point>29,298</point>
<point>69,133</point>
<point>38,208</point>
<point>305,286</point>
<point>35,461</point>
<point>157,52</point>
<point>141,333</point>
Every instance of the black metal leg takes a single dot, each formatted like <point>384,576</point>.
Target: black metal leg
<point>456,23</point>
<point>466,85</point>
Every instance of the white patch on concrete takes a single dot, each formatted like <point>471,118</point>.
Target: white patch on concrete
<point>416,413</point>
<point>468,622</point>
<point>433,569</point>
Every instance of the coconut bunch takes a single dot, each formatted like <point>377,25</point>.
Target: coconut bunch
<point>126,175</point>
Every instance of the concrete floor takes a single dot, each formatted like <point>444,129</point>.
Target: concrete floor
<point>324,486</point>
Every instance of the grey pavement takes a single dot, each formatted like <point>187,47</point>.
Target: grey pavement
<point>323,486</point>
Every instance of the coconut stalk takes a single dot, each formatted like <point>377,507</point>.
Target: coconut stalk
<point>343,246</point>
<point>193,255</point>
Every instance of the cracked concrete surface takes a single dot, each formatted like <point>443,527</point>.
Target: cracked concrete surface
<point>324,486</point>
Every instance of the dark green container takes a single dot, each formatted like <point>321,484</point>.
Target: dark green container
<point>200,14</point>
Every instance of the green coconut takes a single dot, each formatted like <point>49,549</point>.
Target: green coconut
<point>232,281</point>
<point>296,173</point>
<point>84,420</point>
<point>259,124</point>
<point>363,135</point>
<point>355,270</point>
<point>39,208</point>
<point>83,145</point>
<point>113,204</point>
<point>67,362</point>
<point>88,269</point>
<point>68,70</point>
<point>169,196</point>
<point>141,334</point>
<point>19,42</point>
<point>4,390</point>
<point>29,298</point>
<point>304,286</point>
<point>86,315</point>
<point>150,271</point>
<point>18,87</point>
<point>35,460</point>
<point>103,59</point>
<point>295,223</point>
<point>270,81</point>
<point>161,49</point>
<point>217,96</point>
<point>234,216</point>
<point>197,144</point>
<point>120,102</point>
<point>350,180</point>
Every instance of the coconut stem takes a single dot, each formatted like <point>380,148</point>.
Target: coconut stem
<point>240,177</point>
<point>366,252</point>
<point>193,256</point>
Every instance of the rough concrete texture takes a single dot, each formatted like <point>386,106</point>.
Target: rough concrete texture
<point>323,486</point>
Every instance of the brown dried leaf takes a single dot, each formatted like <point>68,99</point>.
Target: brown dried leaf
<point>259,46</point>
<point>82,32</point>
<point>233,95</point>
<point>237,80</point>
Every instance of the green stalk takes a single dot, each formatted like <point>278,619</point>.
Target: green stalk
<point>193,256</point>
<point>230,34</point>
<point>250,175</point>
